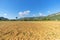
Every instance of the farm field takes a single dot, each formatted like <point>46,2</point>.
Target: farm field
<point>30,30</point>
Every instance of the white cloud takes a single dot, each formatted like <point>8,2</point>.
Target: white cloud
<point>48,11</point>
<point>24,13</point>
<point>41,14</point>
<point>5,14</point>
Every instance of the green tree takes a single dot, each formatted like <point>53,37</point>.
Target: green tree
<point>16,18</point>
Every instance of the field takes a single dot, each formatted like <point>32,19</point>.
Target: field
<point>17,30</point>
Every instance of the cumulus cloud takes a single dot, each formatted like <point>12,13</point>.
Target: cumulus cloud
<point>24,13</point>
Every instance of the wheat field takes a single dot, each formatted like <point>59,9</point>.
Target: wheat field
<point>29,30</point>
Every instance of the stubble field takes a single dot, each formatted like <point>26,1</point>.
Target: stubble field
<point>33,30</point>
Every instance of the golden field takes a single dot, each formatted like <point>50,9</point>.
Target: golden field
<point>30,30</point>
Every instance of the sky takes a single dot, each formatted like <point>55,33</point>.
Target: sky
<point>28,8</point>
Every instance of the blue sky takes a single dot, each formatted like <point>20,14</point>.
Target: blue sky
<point>28,8</point>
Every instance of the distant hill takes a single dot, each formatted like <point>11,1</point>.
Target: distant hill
<point>55,16</point>
<point>32,18</point>
<point>2,18</point>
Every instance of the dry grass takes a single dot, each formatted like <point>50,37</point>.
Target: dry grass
<point>17,30</point>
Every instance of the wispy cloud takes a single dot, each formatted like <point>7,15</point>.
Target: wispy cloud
<point>41,14</point>
<point>5,14</point>
<point>48,11</point>
<point>24,13</point>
